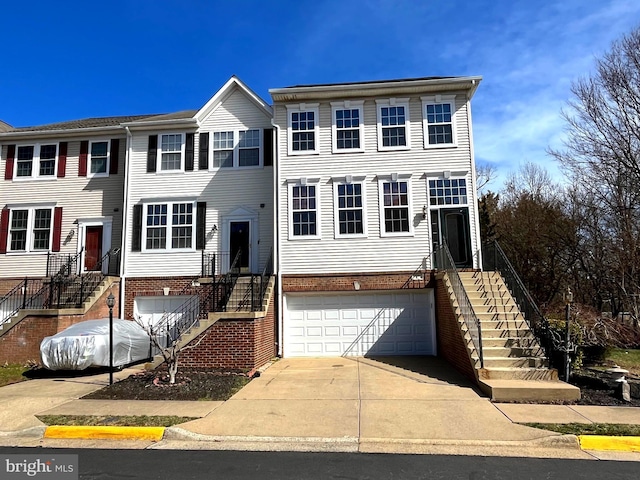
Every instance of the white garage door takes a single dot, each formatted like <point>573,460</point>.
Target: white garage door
<point>359,324</point>
<point>151,309</point>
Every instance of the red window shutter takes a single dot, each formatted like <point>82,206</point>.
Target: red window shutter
<point>82,164</point>
<point>57,229</point>
<point>8,170</point>
<point>62,159</point>
<point>4,229</point>
<point>115,155</point>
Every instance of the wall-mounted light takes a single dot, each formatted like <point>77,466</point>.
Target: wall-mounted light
<point>166,290</point>
<point>214,229</point>
<point>424,212</point>
<point>356,285</point>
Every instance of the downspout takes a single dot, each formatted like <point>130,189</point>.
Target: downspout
<point>276,236</point>
<point>474,179</point>
<point>125,218</point>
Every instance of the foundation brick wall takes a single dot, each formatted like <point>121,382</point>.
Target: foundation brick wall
<point>151,287</point>
<point>7,284</point>
<point>238,344</point>
<point>345,282</point>
<point>21,343</point>
<point>451,345</point>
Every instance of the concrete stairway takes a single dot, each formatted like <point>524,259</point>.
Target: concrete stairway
<point>515,368</point>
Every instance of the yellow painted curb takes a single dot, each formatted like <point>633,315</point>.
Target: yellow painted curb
<point>105,433</point>
<point>603,442</point>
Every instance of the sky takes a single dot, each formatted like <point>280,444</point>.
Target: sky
<point>68,60</point>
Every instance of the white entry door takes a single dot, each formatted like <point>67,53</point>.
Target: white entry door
<point>389,323</point>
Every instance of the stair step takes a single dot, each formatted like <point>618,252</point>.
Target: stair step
<point>512,352</point>
<point>512,373</point>
<point>524,342</point>
<point>505,390</point>
<point>501,333</point>
<point>519,362</point>
<point>501,318</point>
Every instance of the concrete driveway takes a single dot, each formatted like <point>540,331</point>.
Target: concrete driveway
<point>358,399</point>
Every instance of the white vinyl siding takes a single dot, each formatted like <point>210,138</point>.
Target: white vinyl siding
<point>224,190</point>
<point>373,252</point>
<point>79,197</point>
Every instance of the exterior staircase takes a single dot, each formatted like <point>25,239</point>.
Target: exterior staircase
<point>515,367</point>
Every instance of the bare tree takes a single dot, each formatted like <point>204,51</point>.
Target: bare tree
<point>601,158</point>
<point>485,174</point>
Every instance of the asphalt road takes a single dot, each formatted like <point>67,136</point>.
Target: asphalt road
<point>223,465</point>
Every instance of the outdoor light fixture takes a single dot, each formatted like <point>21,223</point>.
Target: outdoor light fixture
<point>424,212</point>
<point>568,299</point>
<point>111,301</point>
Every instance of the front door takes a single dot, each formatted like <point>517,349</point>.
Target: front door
<point>451,226</point>
<point>239,240</point>
<point>93,248</point>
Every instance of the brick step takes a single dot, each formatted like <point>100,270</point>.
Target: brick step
<point>516,362</point>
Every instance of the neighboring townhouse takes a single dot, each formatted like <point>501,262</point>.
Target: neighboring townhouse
<point>199,195</point>
<point>370,178</point>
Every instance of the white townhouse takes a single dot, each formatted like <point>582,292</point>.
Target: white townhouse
<point>61,196</point>
<point>370,177</point>
<point>199,192</point>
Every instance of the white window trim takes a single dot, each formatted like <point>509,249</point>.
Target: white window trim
<point>35,162</point>
<point>159,154</point>
<point>168,248</point>
<point>393,102</point>
<point>30,224</point>
<point>236,150</point>
<point>448,176</point>
<point>106,173</point>
<point>297,183</point>
<point>395,178</point>
<point>438,100</point>
<point>304,107</point>
<point>346,105</point>
<point>346,180</point>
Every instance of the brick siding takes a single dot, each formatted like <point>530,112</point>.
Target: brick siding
<point>345,282</point>
<point>151,287</point>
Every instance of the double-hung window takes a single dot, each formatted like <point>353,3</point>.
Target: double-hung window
<point>36,161</point>
<point>303,129</point>
<point>349,209</point>
<point>393,124</point>
<point>171,151</point>
<point>395,207</point>
<point>303,208</point>
<point>237,148</point>
<point>438,121</point>
<point>99,159</point>
<point>30,229</point>
<point>347,126</point>
<point>169,226</point>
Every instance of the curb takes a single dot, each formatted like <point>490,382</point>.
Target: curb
<point>104,433</point>
<point>603,442</point>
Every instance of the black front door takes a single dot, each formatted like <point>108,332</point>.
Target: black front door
<point>239,240</point>
<point>451,226</point>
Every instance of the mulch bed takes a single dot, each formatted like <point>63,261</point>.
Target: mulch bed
<point>190,385</point>
<point>595,391</point>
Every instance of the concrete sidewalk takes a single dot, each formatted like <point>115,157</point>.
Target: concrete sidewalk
<point>404,405</point>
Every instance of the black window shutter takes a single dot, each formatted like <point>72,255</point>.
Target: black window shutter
<point>136,240</point>
<point>201,225</point>
<point>189,152</point>
<point>268,147</point>
<point>203,153</point>
<point>115,156</point>
<point>152,153</point>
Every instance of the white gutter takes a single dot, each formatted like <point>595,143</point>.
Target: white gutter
<point>276,232</point>
<point>59,133</point>
<point>125,217</point>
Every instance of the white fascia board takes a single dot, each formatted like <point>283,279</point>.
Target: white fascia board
<point>61,133</point>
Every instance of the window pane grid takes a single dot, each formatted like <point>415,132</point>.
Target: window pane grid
<point>448,191</point>
<point>303,131</point>
<point>393,120</point>
<point>179,224</point>
<point>18,230</point>
<point>396,206</point>
<point>440,123</point>
<point>99,157</point>
<point>41,229</point>
<point>347,128</point>
<point>350,212</point>
<point>304,210</point>
<point>171,148</point>
<point>25,161</point>
<point>47,160</point>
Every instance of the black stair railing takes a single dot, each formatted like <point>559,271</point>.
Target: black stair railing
<point>224,285</point>
<point>18,298</point>
<point>59,264</point>
<point>494,259</point>
<point>444,261</point>
<point>213,263</point>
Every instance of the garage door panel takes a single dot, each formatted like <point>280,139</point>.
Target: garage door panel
<point>359,324</point>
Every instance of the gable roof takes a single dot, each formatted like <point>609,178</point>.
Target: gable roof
<point>4,126</point>
<point>226,90</point>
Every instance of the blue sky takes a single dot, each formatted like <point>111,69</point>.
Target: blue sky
<point>74,59</point>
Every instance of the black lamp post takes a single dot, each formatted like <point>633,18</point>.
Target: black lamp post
<point>568,299</point>
<point>111,301</point>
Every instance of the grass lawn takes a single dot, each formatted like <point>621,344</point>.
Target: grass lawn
<point>612,429</point>
<point>628,359</point>
<point>12,373</point>
<point>113,420</point>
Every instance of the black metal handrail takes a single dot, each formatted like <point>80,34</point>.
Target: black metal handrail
<point>494,259</point>
<point>444,261</point>
<point>213,263</point>
<point>63,264</point>
<point>18,298</point>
